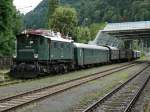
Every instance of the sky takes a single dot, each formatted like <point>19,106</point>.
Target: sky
<point>25,6</point>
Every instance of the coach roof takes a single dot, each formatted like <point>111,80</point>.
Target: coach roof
<point>80,45</point>
<point>113,48</point>
<point>58,39</point>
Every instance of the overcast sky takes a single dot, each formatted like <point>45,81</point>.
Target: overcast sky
<point>25,6</point>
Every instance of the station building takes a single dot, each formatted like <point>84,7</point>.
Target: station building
<point>132,35</point>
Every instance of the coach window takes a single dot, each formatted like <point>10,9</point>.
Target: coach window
<point>55,45</point>
<point>62,45</point>
<point>65,46</point>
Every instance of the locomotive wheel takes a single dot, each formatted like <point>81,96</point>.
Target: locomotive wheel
<point>65,69</point>
<point>56,69</point>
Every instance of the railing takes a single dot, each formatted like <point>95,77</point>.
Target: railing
<point>5,62</point>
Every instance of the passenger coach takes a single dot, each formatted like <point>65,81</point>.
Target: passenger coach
<point>90,54</point>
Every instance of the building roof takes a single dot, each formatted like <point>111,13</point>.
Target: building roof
<point>129,30</point>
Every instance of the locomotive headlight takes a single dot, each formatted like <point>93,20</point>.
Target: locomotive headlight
<point>36,56</point>
<point>14,56</point>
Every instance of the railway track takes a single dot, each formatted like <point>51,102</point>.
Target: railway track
<point>142,104</point>
<point>10,82</point>
<point>14,102</point>
<point>123,98</point>
<point>16,81</point>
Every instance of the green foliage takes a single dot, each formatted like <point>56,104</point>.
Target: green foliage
<point>64,19</point>
<point>9,27</point>
<point>53,4</point>
<point>82,34</point>
<point>97,11</point>
<point>94,28</point>
<point>17,22</point>
<point>112,10</point>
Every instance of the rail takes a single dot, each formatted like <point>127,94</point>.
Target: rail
<point>107,98</point>
<point>23,99</point>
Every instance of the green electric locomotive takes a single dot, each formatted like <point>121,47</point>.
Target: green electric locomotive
<point>41,52</point>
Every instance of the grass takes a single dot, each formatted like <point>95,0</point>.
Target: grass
<point>147,107</point>
<point>143,58</point>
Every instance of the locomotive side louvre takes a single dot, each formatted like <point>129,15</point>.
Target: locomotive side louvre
<point>43,49</point>
<point>61,55</point>
<point>60,50</point>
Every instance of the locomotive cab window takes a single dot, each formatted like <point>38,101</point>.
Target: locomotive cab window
<point>41,41</point>
<point>49,41</point>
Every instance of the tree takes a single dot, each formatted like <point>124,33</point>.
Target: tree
<point>18,22</point>
<point>96,11</point>
<point>95,27</point>
<point>9,21</point>
<point>64,20</point>
<point>82,34</point>
<point>53,4</point>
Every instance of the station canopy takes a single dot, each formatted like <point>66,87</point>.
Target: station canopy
<point>129,30</point>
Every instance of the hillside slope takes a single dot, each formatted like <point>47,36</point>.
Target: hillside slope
<point>94,11</point>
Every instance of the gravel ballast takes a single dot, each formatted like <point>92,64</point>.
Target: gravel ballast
<point>11,90</point>
<point>72,99</point>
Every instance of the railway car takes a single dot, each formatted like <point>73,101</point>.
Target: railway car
<point>122,55</point>
<point>138,54</point>
<point>90,54</point>
<point>38,53</point>
<point>113,53</point>
<point>134,54</point>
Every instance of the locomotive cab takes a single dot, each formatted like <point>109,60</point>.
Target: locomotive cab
<point>27,48</point>
<point>31,47</point>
